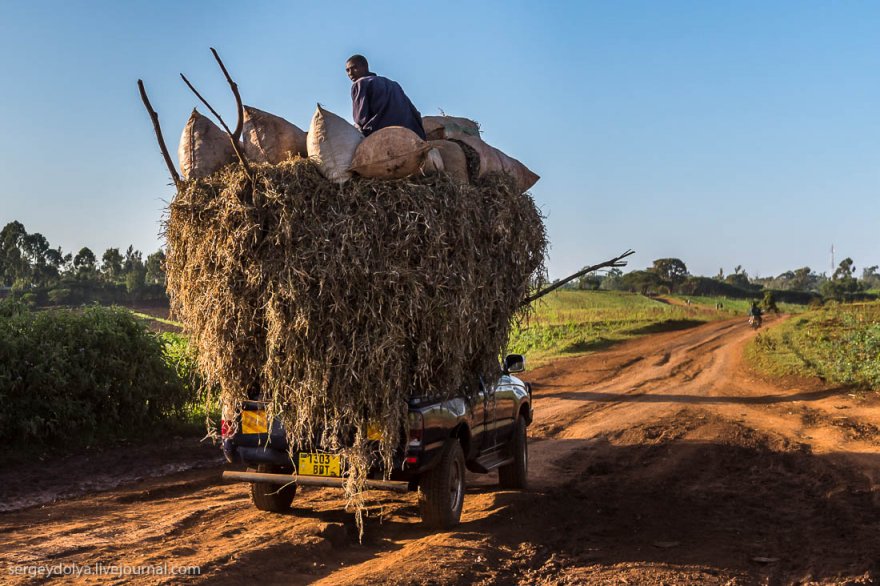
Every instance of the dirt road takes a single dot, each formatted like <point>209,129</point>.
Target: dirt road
<point>660,461</point>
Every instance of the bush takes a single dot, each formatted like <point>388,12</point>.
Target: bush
<point>80,375</point>
<point>181,357</point>
<point>59,296</point>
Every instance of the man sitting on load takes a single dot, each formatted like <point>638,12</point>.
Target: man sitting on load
<point>378,102</point>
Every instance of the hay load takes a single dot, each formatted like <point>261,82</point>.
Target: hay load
<point>336,297</point>
<point>341,301</point>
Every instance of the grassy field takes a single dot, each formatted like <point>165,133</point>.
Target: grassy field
<point>838,343</point>
<point>732,307</point>
<point>567,322</point>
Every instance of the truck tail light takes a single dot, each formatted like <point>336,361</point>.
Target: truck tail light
<point>225,428</point>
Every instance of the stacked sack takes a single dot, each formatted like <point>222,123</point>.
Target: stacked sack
<point>454,146</point>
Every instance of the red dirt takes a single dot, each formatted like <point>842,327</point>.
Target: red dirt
<point>663,460</point>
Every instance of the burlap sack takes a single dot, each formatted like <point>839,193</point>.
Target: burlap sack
<point>271,139</point>
<point>454,161</point>
<point>449,127</point>
<point>494,160</point>
<point>204,148</point>
<point>390,153</point>
<point>331,144</point>
<point>524,176</point>
<point>433,163</point>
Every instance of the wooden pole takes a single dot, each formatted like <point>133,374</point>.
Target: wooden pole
<point>236,134</point>
<point>614,262</point>
<point>232,138</point>
<point>158,129</point>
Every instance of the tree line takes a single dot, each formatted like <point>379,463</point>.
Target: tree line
<point>671,275</point>
<point>35,271</point>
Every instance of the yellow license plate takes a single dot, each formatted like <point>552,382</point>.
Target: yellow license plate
<point>318,464</point>
<point>254,422</point>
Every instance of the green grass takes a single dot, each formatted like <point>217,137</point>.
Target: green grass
<point>160,320</point>
<point>568,323</point>
<point>733,307</point>
<point>838,343</point>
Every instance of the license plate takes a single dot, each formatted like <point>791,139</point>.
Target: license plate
<point>312,464</point>
<point>254,422</point>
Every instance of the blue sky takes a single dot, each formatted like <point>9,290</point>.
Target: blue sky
<point>722,133</point>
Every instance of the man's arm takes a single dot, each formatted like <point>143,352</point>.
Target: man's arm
<point>360,105</point>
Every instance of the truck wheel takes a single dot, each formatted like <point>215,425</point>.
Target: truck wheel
<point>274,498</point>
<point>515,474</point>
<point>441,489</point>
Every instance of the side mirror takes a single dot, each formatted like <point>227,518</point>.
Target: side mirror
<point>514,363</point>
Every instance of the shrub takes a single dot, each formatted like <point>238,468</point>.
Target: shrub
<point>59,296</point>
<point>81,375</point>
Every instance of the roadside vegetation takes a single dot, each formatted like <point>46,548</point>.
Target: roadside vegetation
<point>569,322</point>
<point>83,376</point>
<point>839,343</point>
<point>732,307</point>
<point>38,275</point>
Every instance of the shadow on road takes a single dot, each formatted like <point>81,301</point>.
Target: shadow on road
<point>720,505</point>
<point>743,505</point>
<point>693,399</point>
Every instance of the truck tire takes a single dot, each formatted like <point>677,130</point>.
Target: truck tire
<point>516,474</point>
<point>274,498</point>
<point>441,489</point>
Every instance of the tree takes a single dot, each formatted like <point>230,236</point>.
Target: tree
<point>155,266</point>
<point>134,279</point>
<point>13,265</point>
<point>738,279</point>
<point>672,270</point>
<point>842,284</point>
<point>85,264</point>
<point>611,282</point>
<point>133,260</point>
<point>870,277</point>
<point>111,265</point>
<point>134,270</point>
<point>804,279</point>
<point>769,302</point>
<point>641,282</point>
<point>844,270</point>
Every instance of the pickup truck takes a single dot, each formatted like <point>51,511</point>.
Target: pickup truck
<point>482,431</point>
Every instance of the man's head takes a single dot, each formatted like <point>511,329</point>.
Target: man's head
<point>357,67</point>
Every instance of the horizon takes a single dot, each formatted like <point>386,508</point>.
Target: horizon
<point>719,135</point>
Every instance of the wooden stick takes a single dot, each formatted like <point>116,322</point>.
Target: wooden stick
<point>614,262</point>
<point>236,134</point>
<point>155,118</point>
<point>233,140</point>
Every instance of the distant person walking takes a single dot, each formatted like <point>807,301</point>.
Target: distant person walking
<point>378,102</point>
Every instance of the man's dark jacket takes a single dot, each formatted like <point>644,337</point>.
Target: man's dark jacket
<point>378,102</point>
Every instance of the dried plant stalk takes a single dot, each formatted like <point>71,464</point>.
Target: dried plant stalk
<point>339,302</point>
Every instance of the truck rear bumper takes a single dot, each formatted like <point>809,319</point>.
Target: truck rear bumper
<point>282,479</point>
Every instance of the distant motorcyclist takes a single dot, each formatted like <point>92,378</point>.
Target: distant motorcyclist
<point>755,315</point>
